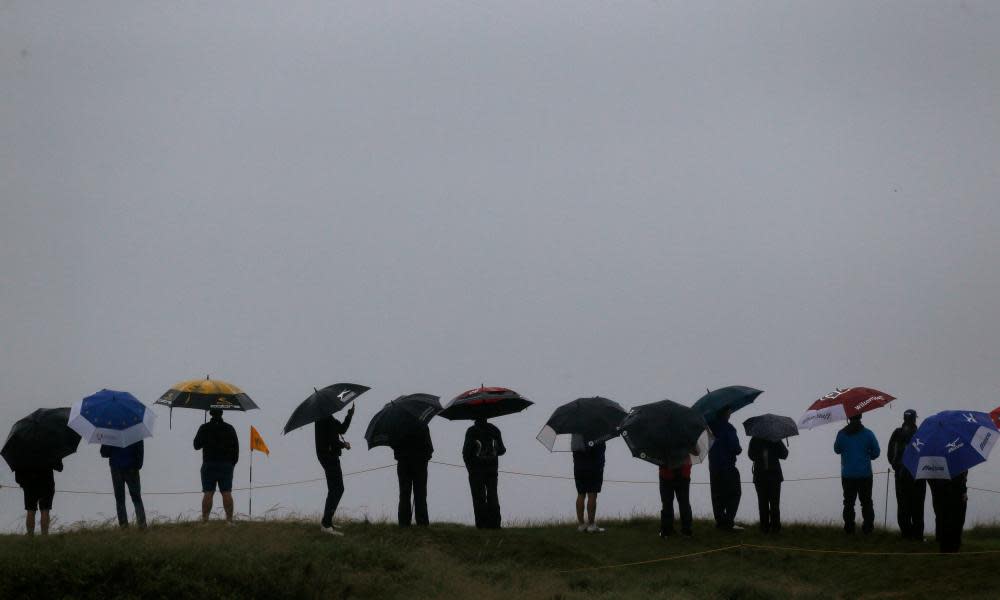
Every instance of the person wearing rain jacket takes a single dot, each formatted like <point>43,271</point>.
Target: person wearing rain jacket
<point>220,451</point>
<point>39,486</point>
<point>950,498</point>
<point>483,444</point>
<point>767,477</point>
<point>724,477</point>
<point>125,464</point>
<point>329,443</point>
<point>910,492</point>
<point>857,448</point>
<point>412,455</point>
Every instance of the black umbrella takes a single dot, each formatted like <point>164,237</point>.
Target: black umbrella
<point>400,419</point>
<point>593,419</point>
<point>665,433</point>
<point>40,440</point>
<point>770,427</point>
<point>485,403</point>
<point>323,403</point>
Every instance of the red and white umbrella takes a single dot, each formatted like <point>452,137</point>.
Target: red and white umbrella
<point>841,405</point>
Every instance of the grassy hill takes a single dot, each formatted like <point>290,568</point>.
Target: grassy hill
<point>285,559</point>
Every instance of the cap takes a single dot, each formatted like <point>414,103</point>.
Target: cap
<point>909,415</point>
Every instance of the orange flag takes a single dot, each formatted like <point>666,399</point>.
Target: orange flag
<point>257,442</point>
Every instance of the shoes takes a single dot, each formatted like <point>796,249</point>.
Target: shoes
<point>666,534</point>
<point>582,527</point>
<point>593,528</point>
<point>736,528</point>
<point>331,531</point>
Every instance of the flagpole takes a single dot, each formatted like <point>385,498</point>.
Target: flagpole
<point>250,510</point>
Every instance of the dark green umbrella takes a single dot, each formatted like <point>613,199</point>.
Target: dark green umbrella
<point>666,433</point>
<point>40,440</point>
<point>733,397</point>
<point>400,419</point>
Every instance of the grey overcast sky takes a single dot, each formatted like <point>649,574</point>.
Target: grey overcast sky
<point>633,199</point>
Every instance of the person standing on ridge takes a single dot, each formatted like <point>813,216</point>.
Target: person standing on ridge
<point>767,477</point>
<point>483,444</point>
<point>724,477</point>
<point>675,482</point>
<point>588,472</point>
<point>220,451</point>
<point>39,486</point>
<point>950,498</point>
<point>329,443</point>
<point>857,448</point>
<point>412,455</point>
<point>125,464</point>
<point>910,492</point>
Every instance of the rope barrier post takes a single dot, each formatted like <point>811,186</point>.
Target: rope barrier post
<point>885,512</point>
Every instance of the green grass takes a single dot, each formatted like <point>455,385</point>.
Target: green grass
<point>288,559</point>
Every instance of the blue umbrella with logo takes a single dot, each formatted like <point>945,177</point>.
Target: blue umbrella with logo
<point>111,418</point>
<point>949,443</point>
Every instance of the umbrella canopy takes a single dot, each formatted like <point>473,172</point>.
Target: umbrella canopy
<point>666,433</point>
<point>206,394</point>
<point>42,440</point>
<point>485,403</point>
<point>733,397</point>
<point>400,419</point>
<point>995,415</point>
<point>111,417</point>
<point>841,405</point>
<point>770,427</point>
<point>323,403</point>
<point>593,419</point>
<point>949,443</point>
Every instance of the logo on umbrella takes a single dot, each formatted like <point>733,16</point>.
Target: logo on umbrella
<point>346,395</point>
<point>917,444</point>
<point>971,418</point>
<point>868,401</point>
<point>954,445</point>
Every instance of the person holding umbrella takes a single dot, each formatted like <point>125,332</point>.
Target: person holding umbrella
<point>220,451</point>
<point>125,464</point>
<point>588,473</point>
<point>675,482</point>
<point>39,486</point>
<point>724,477</point>
<point>857,447</point>
<point>329,433</point>
<point>910,492</point>
<point>766,450</point>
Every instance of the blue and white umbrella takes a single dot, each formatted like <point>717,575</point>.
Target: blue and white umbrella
<point>949,443</point>
<point>112,418</point>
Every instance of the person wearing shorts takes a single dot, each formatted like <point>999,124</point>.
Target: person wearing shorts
<point>588,472</point>
<point>220,451</point>
<point>39,487</point>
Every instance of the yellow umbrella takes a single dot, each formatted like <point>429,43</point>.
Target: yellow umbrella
<point>206,394</point>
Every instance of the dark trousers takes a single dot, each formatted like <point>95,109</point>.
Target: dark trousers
<point>769,503</point>
<point>334,489</point>
<point>485,503</point>
<point>726,493</point>
<point>130,477</point>
<point>910,494</point>
<point>412,474</point>
<point>855,488</point>
<point>949,514</point>
<point>680,489</point>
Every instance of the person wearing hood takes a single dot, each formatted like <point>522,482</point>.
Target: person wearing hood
<point>910,492</point>
<point>220,451</point>
<point>857,448</point>
<point>724,477</point>
<point>483,444</point>
<point>329,443</point>
<point>125,464</point>
<point>412,455</point>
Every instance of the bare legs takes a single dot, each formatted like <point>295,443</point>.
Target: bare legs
<point>591,501</point>
<point>29,522</point>
<point>206,505</point>
<point>227,505</point>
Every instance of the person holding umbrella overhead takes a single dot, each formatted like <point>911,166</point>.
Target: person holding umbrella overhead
<point>220,451</point>
<point>766,451</point>
<point>34,449</point>
<point>910,492</point>
<point>857,447</point>
<point>484,444</point>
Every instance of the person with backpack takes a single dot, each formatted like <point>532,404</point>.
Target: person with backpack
<point>767,477</point>
<point>125,464</point>
<point>857,448</point>
<point>910,493</point>
<point>412,455</point>
<point>483,444</point>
